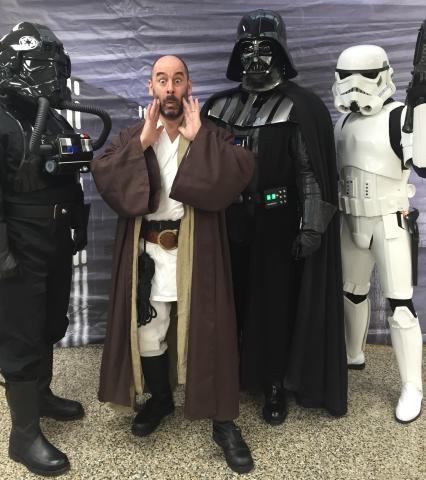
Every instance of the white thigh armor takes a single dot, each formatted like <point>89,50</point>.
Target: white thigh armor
<point>381,240</point>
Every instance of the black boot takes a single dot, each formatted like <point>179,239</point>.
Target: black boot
<point>27,443</point>
<point>156,373</point>
<point>237,454</point>
<point>275,409</point>
<point>52,406</point>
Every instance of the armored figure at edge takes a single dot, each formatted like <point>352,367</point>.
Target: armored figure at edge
<point>41,200</point>
<point>284,228</point>
<point>375,158</point>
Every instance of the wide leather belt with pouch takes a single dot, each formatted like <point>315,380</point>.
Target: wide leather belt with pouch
<point>163,232</point>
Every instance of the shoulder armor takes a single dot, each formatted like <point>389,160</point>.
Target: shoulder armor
<point>233,110</point>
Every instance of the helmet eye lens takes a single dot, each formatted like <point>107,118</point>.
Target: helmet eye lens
<point>370,75</point>
<point>34,64</point>
<point>343,75</point>
<point>247,48</point>
<point>265,48</point>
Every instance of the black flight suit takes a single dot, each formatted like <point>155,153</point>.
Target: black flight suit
<point>37,212</point>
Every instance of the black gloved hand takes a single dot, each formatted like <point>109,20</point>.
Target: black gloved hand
<point>306,243</point>
<point>80,239</point>
<point>414,94</point>
<point>8,266</point>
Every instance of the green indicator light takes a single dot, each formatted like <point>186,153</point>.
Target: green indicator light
<point>268,197</point>
<point>274,196</point>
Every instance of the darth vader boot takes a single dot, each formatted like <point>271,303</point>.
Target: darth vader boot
<point>237,454</point>
<point>27,444</point>
<point>275,408</point>
<point>357,319</point>
<point>407,344</point>
<point>51,405</point>
<point>160,404</point>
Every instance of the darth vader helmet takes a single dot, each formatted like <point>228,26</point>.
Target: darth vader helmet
<point>363,80</point>
<point>260,58</point>
<point>33,64</point>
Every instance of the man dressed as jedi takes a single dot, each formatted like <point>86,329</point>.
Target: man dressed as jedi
<point>170,178</point>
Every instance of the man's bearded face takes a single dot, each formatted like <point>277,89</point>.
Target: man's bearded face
<point>170,84</point>
<point>171,107</point>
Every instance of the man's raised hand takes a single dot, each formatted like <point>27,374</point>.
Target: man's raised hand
<point>150,132</point>
<point>192,124</point>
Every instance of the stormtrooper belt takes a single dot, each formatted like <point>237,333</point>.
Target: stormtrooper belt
<point>163,232</point>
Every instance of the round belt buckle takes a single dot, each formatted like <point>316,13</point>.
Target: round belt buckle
<point>167,239</point>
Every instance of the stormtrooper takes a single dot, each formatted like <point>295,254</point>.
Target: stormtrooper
<point>375,158</point>
<point>41,202</point>
<point>283,229</point>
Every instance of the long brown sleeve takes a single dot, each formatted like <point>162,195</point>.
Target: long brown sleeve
<point>127,178</point>
<point>214,171</point>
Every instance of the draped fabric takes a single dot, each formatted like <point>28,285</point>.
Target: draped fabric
<point>113,43</point>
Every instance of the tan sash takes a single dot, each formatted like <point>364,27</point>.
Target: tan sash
<point>184,275</point>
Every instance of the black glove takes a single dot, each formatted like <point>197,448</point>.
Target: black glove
<point>80,219</point>
<point>8,265</point>
<point>80,239</point>
<point>416,93</point>
<point>306,243</point>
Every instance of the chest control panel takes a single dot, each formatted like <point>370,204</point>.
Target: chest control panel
<point>275,197</point>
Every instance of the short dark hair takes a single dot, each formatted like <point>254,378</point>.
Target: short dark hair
<point>185,66</point>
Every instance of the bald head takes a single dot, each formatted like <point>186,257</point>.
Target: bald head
<point>170,83</point>
<point>169,61</point>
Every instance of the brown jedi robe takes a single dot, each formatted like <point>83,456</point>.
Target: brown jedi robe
<point>210,176</point>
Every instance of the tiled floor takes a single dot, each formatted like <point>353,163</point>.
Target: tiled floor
<point>365,444</point>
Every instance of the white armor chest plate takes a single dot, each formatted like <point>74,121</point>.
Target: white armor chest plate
<point>372,181</point>
<point>364,143</point>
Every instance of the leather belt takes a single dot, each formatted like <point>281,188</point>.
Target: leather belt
<point>164,233</point>
<point>55,211</point>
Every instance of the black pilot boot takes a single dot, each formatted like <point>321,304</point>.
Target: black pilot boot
<point>52,406</point>
<point>237,453</point>
<point>160,404</point>
<point>27,444</point>
<point>275,408</point>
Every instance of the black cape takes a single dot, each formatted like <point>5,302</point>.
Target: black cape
<point>317,366</point>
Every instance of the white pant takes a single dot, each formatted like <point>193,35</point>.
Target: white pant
<point>390,249</point>
<point>152,336</point>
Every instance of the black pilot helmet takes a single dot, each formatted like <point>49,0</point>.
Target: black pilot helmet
<point>260,57</point>
<point>33,64</point>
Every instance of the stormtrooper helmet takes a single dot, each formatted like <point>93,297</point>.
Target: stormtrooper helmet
<point>363,80</point>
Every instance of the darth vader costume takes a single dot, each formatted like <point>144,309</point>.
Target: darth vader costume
<point>284,228</point>
<point>41,203</point>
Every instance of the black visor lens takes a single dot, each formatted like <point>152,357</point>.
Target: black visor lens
<point>343,75</point>
<point>370,75</point>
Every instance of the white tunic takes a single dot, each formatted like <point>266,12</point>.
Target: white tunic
<point>164,280</point>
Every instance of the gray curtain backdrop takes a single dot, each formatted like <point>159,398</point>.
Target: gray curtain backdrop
<point>112,45</point>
